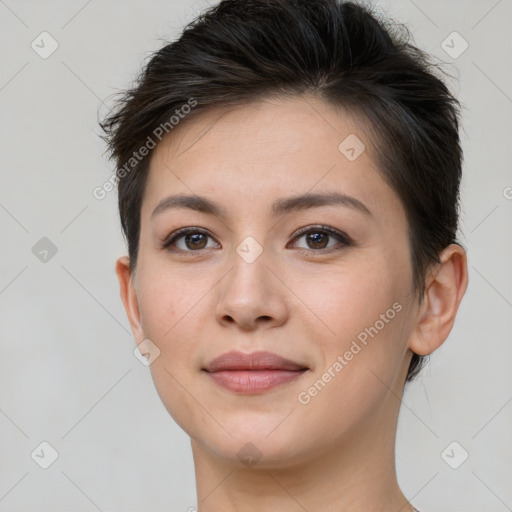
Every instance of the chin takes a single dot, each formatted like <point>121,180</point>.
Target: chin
<point>259,446</point>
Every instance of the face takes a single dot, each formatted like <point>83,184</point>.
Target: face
<point>325,284</point>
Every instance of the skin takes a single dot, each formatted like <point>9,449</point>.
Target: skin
<point>297,299</point>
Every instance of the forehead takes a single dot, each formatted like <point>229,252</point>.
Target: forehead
<point>266,149</point>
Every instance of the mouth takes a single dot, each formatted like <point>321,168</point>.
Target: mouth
<point>253,373</point>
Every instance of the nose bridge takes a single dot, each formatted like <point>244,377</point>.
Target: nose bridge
<point>248,277</point>
<point>249,250</point>
<point>250,290</point>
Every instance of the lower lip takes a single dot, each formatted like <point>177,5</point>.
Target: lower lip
<point>253,381</point>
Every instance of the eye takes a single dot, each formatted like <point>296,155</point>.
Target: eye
<point>318,237</point>
<point>187,240</point>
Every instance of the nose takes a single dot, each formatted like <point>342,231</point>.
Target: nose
<point>251,295</point>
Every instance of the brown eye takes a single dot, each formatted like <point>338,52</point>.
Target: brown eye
<point>187,240</point>
<point>319,239</point>
<point>196,241</point>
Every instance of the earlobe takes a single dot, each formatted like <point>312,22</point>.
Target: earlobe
<point>445,288</point>
<point>129,297</point>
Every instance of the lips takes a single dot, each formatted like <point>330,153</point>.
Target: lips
<point>253,373</point>
<point>254,361</point>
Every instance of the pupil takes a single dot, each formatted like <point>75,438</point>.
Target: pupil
<point>195,239</point>
<point>316,238</point>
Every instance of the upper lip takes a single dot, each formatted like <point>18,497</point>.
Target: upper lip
<point>254,361</point>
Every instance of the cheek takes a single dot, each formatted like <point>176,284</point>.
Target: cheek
<point>359,318</point>
<point>170,309</point>
<point>360,364</point>
<point>347,299</point>
<point>171,302</point>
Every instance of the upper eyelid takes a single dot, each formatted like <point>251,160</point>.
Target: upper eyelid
<point>307,229</point>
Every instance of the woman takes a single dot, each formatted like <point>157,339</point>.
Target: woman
<point>288,176</point>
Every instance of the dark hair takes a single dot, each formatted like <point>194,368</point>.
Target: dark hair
<point>242,50</point>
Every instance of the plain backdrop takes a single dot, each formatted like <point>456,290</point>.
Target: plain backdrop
<point>68,376</point>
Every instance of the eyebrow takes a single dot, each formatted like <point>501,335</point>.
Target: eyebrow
<point>281,206</point>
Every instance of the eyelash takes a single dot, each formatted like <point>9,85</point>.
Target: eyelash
<point>343,239</point>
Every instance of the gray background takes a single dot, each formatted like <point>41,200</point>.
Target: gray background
<point>68,375</point>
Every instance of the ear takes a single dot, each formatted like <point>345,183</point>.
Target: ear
<point>444,289</point>
<point>129,297</point>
